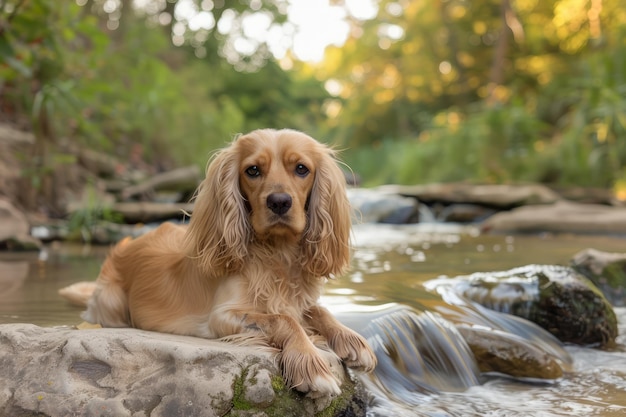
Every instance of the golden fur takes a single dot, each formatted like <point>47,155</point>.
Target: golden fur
<point>271,221</point>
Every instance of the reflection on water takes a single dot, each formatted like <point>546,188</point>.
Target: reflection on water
<point>29,283</point>
<point>12,277</point>
<point>390,265</point>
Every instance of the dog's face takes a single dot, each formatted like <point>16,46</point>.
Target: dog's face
<point>269,188</point>
<point>276,176</point>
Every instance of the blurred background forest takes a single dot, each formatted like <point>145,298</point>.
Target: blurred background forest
<point>421,91</point>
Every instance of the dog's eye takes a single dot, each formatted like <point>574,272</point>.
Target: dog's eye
<point>253,171</point>
<point>301,170</point>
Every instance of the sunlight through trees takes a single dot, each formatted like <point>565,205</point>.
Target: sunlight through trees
<point>484,90</point>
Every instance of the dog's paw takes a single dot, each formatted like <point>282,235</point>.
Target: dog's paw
<point>309,372</point>
<point>352,348</point>
<point>323,386</point>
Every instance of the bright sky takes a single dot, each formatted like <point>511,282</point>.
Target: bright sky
<point>312,25</point>
<point>319,24</point>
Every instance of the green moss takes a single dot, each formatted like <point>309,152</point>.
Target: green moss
<point>278,383</point>
<point>239,391</point>
<point>614,274</point>
<point>287,402</point>
<point>339,403</point>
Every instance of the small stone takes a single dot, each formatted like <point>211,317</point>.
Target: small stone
<point>258,387</point>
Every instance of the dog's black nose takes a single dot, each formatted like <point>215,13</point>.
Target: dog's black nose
<point>279,203</point>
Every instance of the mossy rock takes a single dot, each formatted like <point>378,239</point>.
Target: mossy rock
<point>557,298</point>
<point>122,372</point>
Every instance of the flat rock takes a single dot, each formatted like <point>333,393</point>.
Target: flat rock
<point>497,196</point>
<point>130,372</point>
<point>588,195</point>
<point>561,217</point>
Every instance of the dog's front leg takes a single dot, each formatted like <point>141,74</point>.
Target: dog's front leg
<point>303,364</point>
<point>350,346</point>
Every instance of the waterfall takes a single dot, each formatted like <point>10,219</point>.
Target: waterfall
<point>419,353</point>
<point>422,353</point>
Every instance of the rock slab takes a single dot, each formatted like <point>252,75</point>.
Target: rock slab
<point>490,195</point>
<point>561,217</point>
<point>130,372</point>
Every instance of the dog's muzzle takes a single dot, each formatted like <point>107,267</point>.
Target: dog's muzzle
<point>279,203</point>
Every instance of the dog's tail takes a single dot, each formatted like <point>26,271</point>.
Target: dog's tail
<point>80,292</point>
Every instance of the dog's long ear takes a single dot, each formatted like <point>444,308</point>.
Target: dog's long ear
<point>326,242</point>
<point>219,231</point>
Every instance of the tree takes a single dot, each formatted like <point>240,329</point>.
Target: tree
<point>418,58</point>
<point>491,90</point>
<point>106,76</point>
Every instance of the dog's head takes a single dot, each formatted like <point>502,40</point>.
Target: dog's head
<point>276,176</point>
<point>272,187</point>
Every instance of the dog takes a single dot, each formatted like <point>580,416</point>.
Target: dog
<point>271,222</point>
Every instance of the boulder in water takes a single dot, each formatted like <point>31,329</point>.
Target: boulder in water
<point>508,354</point>
<point>375,207</point>
<point>556,298</point>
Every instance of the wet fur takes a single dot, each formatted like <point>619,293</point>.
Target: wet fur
<point>241,270</point>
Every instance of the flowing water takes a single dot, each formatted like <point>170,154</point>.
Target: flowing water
<point>425,367</point>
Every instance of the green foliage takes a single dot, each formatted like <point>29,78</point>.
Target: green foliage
<point>441,104</point>
<point>491,144</point>
<point>39,39</point>
<point>74,78</point>
<point>516,90</point>
<point>516,141</point>
<point>84,222</point>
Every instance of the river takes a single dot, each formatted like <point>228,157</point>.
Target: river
<point>390,263</point>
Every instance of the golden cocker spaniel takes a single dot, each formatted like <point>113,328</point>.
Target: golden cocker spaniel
<point>271,221</point>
